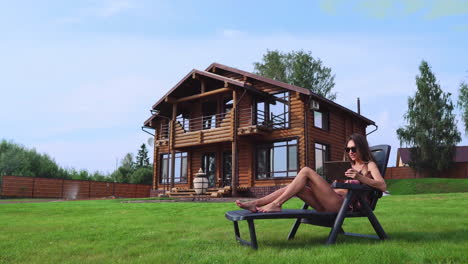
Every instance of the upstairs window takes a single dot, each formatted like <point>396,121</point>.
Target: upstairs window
<point>279,112</point>
<point>274,115</point>
<point>209,113</point>
<point>321,119</point>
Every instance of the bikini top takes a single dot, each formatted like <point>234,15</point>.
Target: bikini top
<point>368,175</point>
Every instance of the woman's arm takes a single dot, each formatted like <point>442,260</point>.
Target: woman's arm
<point>377,181</point>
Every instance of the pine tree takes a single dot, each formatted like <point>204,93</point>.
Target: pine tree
<point>142,159</point>
<point>431,129</point>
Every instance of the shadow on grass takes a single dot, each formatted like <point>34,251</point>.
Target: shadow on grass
<point>318,241</point>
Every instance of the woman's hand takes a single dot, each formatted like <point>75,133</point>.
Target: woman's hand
<point>352,173</point>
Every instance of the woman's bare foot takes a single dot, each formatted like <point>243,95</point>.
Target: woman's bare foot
<point>247,206</point>
<point>270,208</point>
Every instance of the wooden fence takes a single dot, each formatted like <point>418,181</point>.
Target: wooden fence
<point>458,171</point>
<point>31,187</point>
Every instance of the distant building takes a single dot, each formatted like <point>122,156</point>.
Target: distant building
<point>404,156</point>
<point>402,170</point>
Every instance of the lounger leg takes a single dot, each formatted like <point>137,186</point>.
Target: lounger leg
<point>253,236</point>
<point>296,225</point>
<point>373,219</point>
<point>293,231</point>
<point>339,219</point>
<point>236,229</point>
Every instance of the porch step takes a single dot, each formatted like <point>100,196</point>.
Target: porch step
<point>212,192</point>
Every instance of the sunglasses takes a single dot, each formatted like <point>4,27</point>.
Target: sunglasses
<point>352,149</point>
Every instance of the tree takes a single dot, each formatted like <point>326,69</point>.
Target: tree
<point>142,159</point>
<point>143,175</point>
<point>463,103</point>
<point>431,129</point>
<point>298,68</point>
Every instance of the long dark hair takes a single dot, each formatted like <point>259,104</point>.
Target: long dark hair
<point>362,148</point>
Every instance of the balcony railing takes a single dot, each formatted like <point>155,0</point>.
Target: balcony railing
<point>222,121</point>
<point>247,117</point>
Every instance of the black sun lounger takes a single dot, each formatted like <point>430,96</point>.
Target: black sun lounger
<point>335,221</point>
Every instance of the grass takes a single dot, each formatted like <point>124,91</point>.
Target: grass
<point>427,228</point>
<point>427,185</point>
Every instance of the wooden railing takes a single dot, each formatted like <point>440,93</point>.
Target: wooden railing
<point>247,117</point>
<point>218,127</point>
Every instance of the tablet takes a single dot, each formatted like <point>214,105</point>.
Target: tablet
<point>335,170</point>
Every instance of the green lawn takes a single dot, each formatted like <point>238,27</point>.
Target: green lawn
<point>427,185</point>
<point>429,228</point>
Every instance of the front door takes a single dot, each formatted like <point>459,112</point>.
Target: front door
<point>209,168</point>
<point>227,168</point>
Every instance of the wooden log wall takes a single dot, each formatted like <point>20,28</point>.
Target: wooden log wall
<point>341,126</point>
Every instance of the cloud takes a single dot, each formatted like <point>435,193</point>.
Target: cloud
<point>113,7</point>
<point>330,6</point>
<point>232,33</point>
<point>445,8</point>
<point>390,8</point>
<point>377,8</point>
<point>100,10</point>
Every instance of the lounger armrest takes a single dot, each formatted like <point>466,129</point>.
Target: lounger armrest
<point>355,187</point>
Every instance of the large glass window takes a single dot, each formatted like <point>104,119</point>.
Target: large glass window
<point>321,155</point>
<point>180,168</point>
<point>209,168</point>
<point>321,120</point>
<point>277,159</point>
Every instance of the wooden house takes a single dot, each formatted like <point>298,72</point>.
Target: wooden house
<point>245,131</point>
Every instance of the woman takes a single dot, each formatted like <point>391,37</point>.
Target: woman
<point>315,191</point>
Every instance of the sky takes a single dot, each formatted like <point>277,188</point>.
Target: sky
<point>78,78</point>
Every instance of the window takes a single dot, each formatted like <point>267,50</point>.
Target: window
<point>280,111</point>
<point>321,120</point>
<point>183,121</point>
<point>321,155</point>
<point>209,113</point>
<point>209,168</point>
<point>180,168</point>
<point>277,159</point>
<point>274,115</point>
<point>164,130</point>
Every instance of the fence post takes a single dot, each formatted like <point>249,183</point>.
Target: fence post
<point>63,183</point>
<point>33,186</point>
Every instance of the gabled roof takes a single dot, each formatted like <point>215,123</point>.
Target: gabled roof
<point>461,154</point>
<point>203,73</point>
<point>288,87</point>
<point>242,84</point>
<point>259,78</point>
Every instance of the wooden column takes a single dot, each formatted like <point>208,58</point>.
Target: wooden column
<point>305,104</point>
<point>155,167</point>
<point>234,160</point>
<point>202,86</point>
<point>172,143</point>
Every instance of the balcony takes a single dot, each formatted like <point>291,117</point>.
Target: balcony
<point>218,128</point>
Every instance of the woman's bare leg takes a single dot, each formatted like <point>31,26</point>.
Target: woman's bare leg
<point>252,205</point>
<point>320,193</point>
